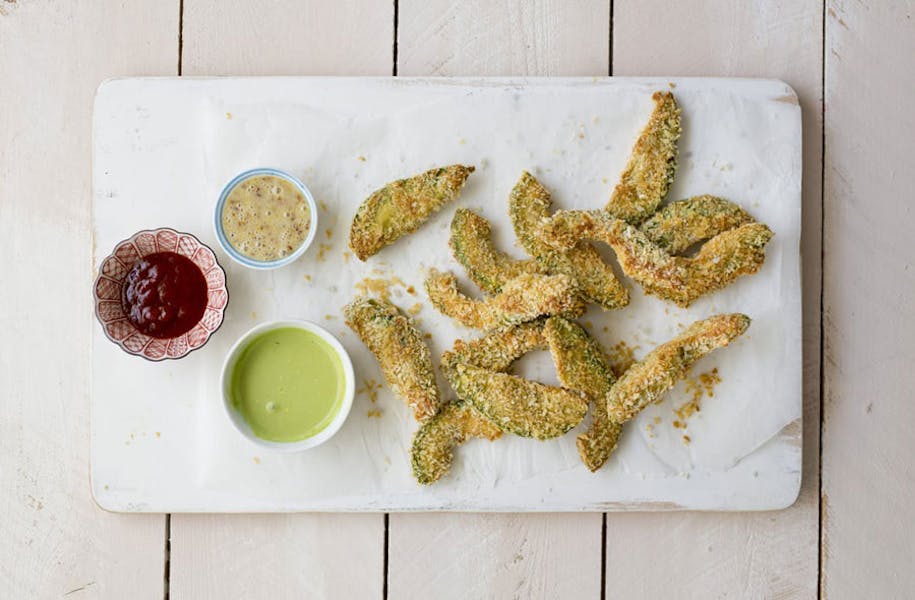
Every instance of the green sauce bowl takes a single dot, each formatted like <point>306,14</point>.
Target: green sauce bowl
<point>288,385</point>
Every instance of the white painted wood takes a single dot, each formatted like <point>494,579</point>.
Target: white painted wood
<point>495,556</point>
<point>772,555</point>
<point>514,37</point>
<point>868,480</point>
<point>503,44</point>
<point>322,555</point>
<point>56,542</point>
<point>288,37</point>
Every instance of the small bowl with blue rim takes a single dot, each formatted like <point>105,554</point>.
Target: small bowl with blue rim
<point>255,177</point>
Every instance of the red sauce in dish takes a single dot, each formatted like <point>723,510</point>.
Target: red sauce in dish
<point>164,294</point>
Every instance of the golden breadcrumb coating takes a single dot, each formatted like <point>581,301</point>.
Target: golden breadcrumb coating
<point>529,206</point>
<point>647,380</point>
<point>679,225</point>
<point>720,260</point>
<point>472,246</point>
<point>652,164</point>
<point>434,443</point>
<point>581,365</point>
<point>522,299</point>
<point>403,355</point>
<point>520,406</point>
<point>402,206</point>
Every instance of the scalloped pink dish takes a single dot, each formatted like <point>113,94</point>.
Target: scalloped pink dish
<point>113,272</point>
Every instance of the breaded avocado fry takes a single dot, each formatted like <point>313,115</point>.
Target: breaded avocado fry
<point>581,365</point>
<point>401,352</point>
<point>652,164</point>
<point>529,206</point>
<point>436,440</point>
<point>647,380</point>
<point>496,351</point>
<point>472,246</point>
<point>520,406</point>
<point>681,224</point>
<point>402,206</point>
<point>432,452</point>
<point>721,260</point>
<point>522,299</point>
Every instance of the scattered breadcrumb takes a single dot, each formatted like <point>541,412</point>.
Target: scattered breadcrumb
<point>229,115</point>
<point>370,388</point>
<point>257,460</point>
<point>374,413</point>
<point>322,250</point>
<point>346,256</point>
<point>329,233</point>
<point>323,205</point>
<point>414,310</point>
<point>330,317</point>
<point>621,357</point>
<point>307,277</point>
<point>686,439</point>
<point>360,158</point>
<point>378,286</point>
<point>697,387</point>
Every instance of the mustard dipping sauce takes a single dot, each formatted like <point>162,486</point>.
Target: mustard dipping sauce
<point>266,217</point>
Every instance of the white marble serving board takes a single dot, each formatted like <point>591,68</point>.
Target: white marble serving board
<point>163,149</point>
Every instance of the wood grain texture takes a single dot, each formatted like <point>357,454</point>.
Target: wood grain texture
<point>56,541</point>
<point>869,519</point>
<point>301,555</point>
<point>277,556</point>
<point>508,37</point>
<point>494,556</point>
<point>771,555</point>
<point>498,556</point>
<point>284,37</point>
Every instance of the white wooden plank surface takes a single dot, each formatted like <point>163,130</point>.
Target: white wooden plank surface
<point>288,37</point>
<point>509,37</point>
<point>868,479</point>
<point>282,556</point>
<point>733,555</point>
<point>52,56</point>
<point>464,555</point>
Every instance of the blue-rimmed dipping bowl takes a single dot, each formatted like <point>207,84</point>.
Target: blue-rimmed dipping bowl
<point>247,261</point>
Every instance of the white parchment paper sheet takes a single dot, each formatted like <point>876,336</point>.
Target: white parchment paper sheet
<point>346,137</point>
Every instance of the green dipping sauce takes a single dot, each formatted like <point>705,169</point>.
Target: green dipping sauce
<point>288,384</point>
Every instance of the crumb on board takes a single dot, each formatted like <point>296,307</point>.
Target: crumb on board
<point>697,387</point>
<point>330,317</point>
<point>322,250</point>
<point>427,335</point>
<point>374,413</point>
<point>380,287</point>
<point>686,439</point>
<point>347,255</point>
<point>360,158</point>
<point>307,277</point>
<point>621,357</point>
<point>414,310</point>
<point>158,434</point>
<point>229,116</point>
<point>657,420</point>
<point>329,233</point>
<point>253,316</point>
<point>322,205</point>
<point>411,290</point>
<point>257,460</point>
<point>671,84</point>
<point>370,388</point>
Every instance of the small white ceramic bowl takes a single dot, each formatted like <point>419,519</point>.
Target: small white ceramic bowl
<point>238,420</point>
<point>246,260</point>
